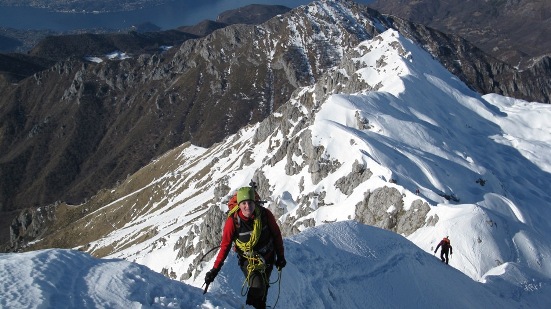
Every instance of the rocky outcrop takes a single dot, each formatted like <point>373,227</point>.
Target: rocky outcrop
<point>384,208</point>
<point>210,233</point>
<point>30,224</point>
<point>414,218</point>
<point>77,127</point>
<point>358,175</point>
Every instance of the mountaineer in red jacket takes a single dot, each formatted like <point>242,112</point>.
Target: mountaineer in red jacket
<point>446,246</point>
<point>258,243</point>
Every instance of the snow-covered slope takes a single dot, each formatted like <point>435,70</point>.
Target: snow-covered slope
<point>357,145</point>
<point>345,264</point>
<point>478,162</point>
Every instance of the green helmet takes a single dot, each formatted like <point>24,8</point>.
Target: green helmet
<point>244,194</point>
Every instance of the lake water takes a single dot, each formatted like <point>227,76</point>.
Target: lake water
<point>167,16</point>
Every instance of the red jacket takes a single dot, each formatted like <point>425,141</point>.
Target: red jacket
<point>228,235</point>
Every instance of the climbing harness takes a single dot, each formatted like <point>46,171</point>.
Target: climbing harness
<point>262,270</point>
<point>255,261</point>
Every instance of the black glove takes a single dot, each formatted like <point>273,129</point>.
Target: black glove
<point>280,263</point>
<point>211,274</point>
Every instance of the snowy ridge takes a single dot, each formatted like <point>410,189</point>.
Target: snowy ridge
<point>423,128</point>
<point>425,131</point>
<point>478,161</point>
<point>344,264</point>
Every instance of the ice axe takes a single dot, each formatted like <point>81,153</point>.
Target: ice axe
<point>206,287</point>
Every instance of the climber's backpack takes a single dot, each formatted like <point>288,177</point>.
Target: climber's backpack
<point>446,243</point>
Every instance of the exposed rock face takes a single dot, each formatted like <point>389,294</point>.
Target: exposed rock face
<point>210,233</point>
<point>384,208</point>
<point>414,218</point>
<point>516,32</point>
<point>358,175</point>
<point>155,186</point>
<point>78,126</point>
<point>30,224</point>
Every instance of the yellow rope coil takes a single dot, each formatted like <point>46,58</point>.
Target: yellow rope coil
<point>247,247</point>
<point>255,261</point>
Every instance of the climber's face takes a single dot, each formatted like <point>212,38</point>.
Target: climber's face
<point>247,208</point>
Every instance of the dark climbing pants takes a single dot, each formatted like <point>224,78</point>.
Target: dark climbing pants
<point>258,286</point>
<point>444,256</point>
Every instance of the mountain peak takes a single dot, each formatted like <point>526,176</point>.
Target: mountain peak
<point>375,129</point>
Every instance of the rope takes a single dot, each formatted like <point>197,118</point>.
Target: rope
<point>247,247</point>
<point>278,286</point>
<point>278,281</point>
<point>204,255</point>
<point>255,262</point>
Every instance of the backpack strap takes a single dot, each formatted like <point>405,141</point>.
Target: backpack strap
<point>236,222</point>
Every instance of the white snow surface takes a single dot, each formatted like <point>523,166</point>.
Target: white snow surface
<point>426,129</point>
<point>339,265</point>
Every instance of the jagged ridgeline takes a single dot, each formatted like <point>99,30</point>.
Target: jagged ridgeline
<point>80,126</point>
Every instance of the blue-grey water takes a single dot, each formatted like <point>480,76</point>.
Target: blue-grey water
<point>171,15</point>
<point>167,16</point>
